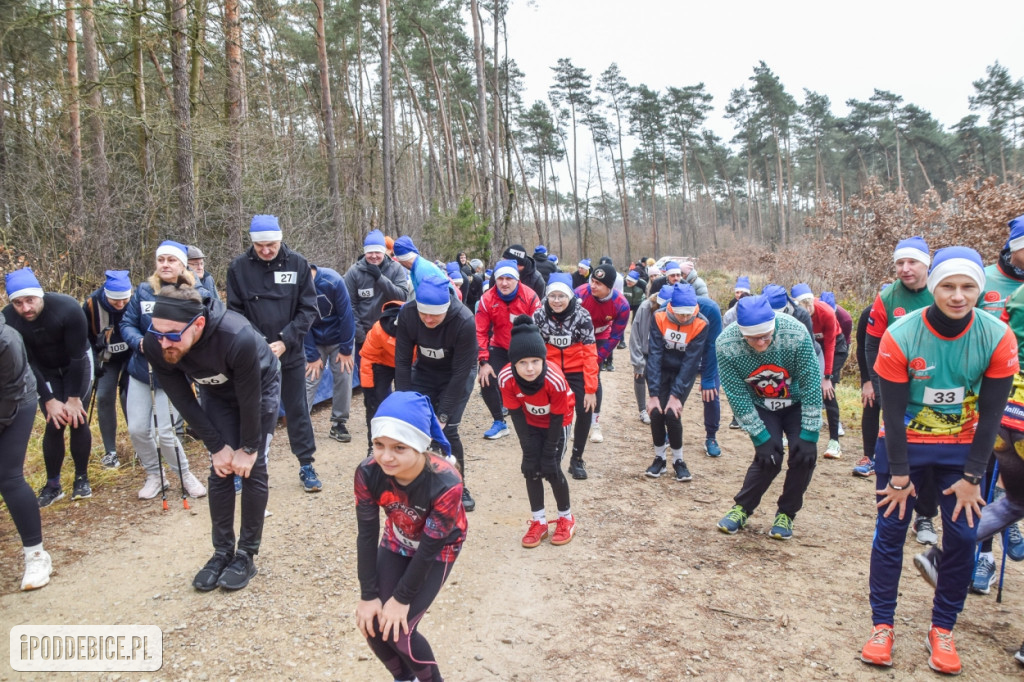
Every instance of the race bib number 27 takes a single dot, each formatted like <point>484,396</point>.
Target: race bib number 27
<point>286,277</point>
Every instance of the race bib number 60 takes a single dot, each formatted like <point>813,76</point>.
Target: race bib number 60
<point>944,396</point>
<point>286,277</point>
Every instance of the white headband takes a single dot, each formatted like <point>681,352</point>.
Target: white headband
<point>403,431</point>
<point>912,253</point>
<point>955,266</point>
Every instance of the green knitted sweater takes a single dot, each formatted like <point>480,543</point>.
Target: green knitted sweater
<point>786,373</point>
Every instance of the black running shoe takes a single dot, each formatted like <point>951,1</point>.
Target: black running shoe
<point>238,573</point>
<point>81,489</point>
<point>340,433</point>
<point>48,495</point>
<point>734,424</point>
<point>468,503</point>
<point>682,473</point>
<point>207,577</point>
<point>577,469</point>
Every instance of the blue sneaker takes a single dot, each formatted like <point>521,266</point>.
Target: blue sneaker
<point>733,521</point>
<point>865,467</point>
<point>238,484</point>
<point>782,529</point>
<point>984,576</point>
<point>711,447</point>
<point>498,430</point>
<point>307,474</point>
<point>1014,543</point>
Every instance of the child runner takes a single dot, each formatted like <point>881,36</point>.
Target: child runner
<point>540,404</point>
<point>421,495</point>
<point>377,363</point>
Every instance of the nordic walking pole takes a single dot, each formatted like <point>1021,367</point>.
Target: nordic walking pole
<point>177,456</point>
<point>156,440</point>
<point>96,378</point>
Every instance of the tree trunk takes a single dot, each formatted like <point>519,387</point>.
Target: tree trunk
<point>233,111</point>
<point>94,119</point>
<point>481,115</point>
<point>142,133</point>
<point>386,115</point>
<point>76,230</point>
<point>178,14</point>
<point>327,114</point>
<point>198,41</point>
<point>495,166</point>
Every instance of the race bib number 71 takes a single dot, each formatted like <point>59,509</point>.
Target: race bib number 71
<point>286,277</point>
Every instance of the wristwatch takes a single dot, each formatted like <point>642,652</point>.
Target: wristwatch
<point>973,480</point>
<point>249,450</point>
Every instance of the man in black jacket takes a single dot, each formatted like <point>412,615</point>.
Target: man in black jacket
<point>272,287</point>
<point>544,265</point>
<point>442,331</point>
<point>528,274</point>
<point>239,382</point>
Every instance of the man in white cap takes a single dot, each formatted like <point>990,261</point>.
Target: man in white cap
<point>57,342</point>
<point>272,286</point>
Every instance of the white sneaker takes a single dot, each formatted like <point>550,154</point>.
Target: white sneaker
<point>841,430</point>
<point>192,485</point>
<point>595,434</point>
<point>644,417</point>
<point>151,488</point>
<point>834,450</point>
<point>38,567</point>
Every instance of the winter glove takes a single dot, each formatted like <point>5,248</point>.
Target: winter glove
<point>372,270</point>
<point>768,453</point>
<point>802,453</point>
<point>360,336</point>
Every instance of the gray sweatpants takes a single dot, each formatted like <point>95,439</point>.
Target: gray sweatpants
<point>140,428</point>
<point>342,400</point>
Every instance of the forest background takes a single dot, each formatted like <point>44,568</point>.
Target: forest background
<point>125,123</point>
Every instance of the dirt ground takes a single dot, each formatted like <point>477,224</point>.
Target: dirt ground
<point>648,589</point>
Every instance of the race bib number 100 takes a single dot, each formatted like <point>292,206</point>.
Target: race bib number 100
<point>944,396</point>
<point>286,277</point>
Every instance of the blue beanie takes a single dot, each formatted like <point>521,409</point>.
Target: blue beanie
<point>488,272</point>
<point>506,268</point>
<point>560,281</point>
<point>585,263</point>
<point>408,418</point>
<point>179,251</point>
<point>754,315</point>
<point>454,271</point>
<point>776,296</point>
<point>801,291</point>
<point>1016,240</point>
<point>118,286</point>
<point>432,297</point>
<point>672,268</point>
<point>684,299</point>
<point>375,242</point>
<point>404,249</point>
<point>633,275</point>
<point>743,283</point>
<point>553,258</point>
<point>22,283</point>
<point>541,250</point>
<point>915,248</point>
<point>665,294</point>
<point>265,228</point>
<point>956,260</point>
<point>829,298</point>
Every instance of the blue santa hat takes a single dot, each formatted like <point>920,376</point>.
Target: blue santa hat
<point>265,228</point>
<point>956,260</point>
<point>432,297</point>
<point>776,297</point>
<point>540,250</point>
<point>179,251</point>
<point>743,284</point>
<point>454,271</point>
<point>684,300</point>
<point>118,286</point>
<point>404,249</point>
<point>375,242</point>
<point>672,268</point>
<point>22,283</point>
<point>585,263</point>
<point>553,258</point>
<point>488,272</point>
<point>755,316</point>
<point>801,291</point>
<point>408,417</point>
<point>829,298</point>
<point>1016,240</point>
<point>633,275</point>
<point>665,295</point>
<point>506,268</point>
<point>914,248</point>
<point>560,281</point>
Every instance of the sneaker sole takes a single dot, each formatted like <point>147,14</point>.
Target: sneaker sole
<point>648,474</point>
<point>778,536</point>
<point>884,664</point>
<point>342,439</point>
<point>80,497</point>
<point>310,489</point>
<point>928,645</point>
<point>233,588</point>
<point>860,475</point>
<point>59,497</point>
<point>927,541</point>
<point>987,590</point>
<point>920,564</point>
<point>685,479</point>
<point>828,456</point>
<point>566,541</point>
<point>30,587</point>
<point>579,476</point>
<point>727,531</point>
<point>500,434</point>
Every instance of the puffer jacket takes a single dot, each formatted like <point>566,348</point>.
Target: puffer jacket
<point>570,343</point>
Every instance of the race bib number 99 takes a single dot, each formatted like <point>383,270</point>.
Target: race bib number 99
<point>675,338</point>
<point>944,396</point>
<point>286,277</point>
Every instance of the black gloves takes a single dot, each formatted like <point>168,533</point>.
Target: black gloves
<point>802,452</point>
<point>372,270</point>
<point>768,453</point>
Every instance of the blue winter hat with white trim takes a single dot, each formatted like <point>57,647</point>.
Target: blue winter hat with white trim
<point>553,258</point>
<point>506,268</point>
<point>743,284</point>
<point>432,297</point>
<point>454,271</point>
<point>915,248</point>
<point>956,260</point>
<point>561,282</point>
<point>665,295</point>
<point>409,418</point>
<point>829,299</point>
<point>672,268</point>
<point>265,228</point>
<point>754,315</point>
<point>684,299</point>
<point>404,248</point>
<point>776,296</point>
<point>633,275</point>
<point>540,250</point>
<point>177,250</point>
<point>1016,240</point>
<point>21,283</point>
<point>118,285</point>
<point>375,242</point>
<point>585,263</point>
<point>801,291</point>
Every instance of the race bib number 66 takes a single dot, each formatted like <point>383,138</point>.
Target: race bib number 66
<point>286,277</point>
<point>944,396</point>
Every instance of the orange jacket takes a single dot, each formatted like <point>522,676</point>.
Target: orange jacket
<point>379,346</point>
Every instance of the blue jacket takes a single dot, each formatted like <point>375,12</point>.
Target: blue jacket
<point>709,363</point>
<point>335,323</point>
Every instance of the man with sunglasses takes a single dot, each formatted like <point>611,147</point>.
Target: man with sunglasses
<point>239,384</point>
<point>770,373</point>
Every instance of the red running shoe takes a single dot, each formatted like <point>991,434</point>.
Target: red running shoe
<point>878,650</point>
<point>565,528</point>
<point>944,658</point>
<point>535,534</point>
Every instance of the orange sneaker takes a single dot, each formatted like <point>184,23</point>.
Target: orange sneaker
<point>535,533</point>
<point>565,528</point>
<point>944,658</point>
<point>878,650</point>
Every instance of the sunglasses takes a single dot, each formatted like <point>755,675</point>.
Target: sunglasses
<point>173,337</point>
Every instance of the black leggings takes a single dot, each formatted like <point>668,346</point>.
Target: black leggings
<point>666,423</point>
<point>53,436</point>
<point>832,404</point>
<point>869,417</point>
<point>15,491</point>
<point>411,655</point>
<point>373,396</point>
<point>537,468</point>
<point>491,393</point>
<point>581,430</point>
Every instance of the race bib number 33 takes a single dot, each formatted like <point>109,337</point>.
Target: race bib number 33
<point>286,277</point>
<point>943,396</point>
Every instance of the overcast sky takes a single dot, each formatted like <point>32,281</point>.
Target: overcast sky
<point>929,53</point>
